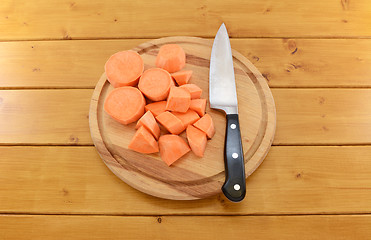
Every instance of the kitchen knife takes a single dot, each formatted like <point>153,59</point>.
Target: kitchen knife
<point>223,96</point>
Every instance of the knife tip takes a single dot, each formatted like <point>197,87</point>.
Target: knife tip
<point>222,28</point>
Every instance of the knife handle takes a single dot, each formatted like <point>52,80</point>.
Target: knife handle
<point>234,187</point>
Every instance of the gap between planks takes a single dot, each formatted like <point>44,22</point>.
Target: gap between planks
<point>182,215</point>
<point>92,145</point>
<point>279,87</point>
<point>156,37</point>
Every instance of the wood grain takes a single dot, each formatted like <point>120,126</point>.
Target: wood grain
<point>291,180</point>
<point>44,117</point>
<point>304,116</point>
<point>191,177</point>
<point>181,227</point>
<point>284,62</point>
<point>56,64</point>
<point>126,19</point>
<point>310,62</point>
<point>331,116</point>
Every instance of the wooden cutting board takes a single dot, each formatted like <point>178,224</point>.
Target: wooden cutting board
<point>190,177</point>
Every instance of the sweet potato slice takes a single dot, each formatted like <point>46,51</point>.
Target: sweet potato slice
<point>179,100</point>
<point>197,140</point>
<point>193,89</point>
<point>182,77</point>
<point>156,108</point>
<point>143,142</point>
<point>125,104</point>
<point>206,125</point>
<point>172,147</point>
<point>171,57</point>
<point>155,84</point>
<point>149,122</point>
<point>199,106</point>
<point>173,124</point>
<point>124,68</point>
<point>188,117</point>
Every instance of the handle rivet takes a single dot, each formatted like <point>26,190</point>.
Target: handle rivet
<point>235,155</point>
<point>233,126</point>
<point>237,187</point>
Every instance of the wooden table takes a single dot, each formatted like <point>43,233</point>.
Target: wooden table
<point>314,184</point>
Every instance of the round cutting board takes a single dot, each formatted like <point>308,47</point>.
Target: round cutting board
<point>190,177</point>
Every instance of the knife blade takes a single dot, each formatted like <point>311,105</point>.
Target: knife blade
<point>223,96</point>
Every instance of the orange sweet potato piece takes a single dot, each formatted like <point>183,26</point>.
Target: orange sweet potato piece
<point>188,117</point>
<point>171,57</point>
<point>182,77</point>
<point>179,100</point>
<point>199,106</point>
<point>193,89</point>
<point>206,125</point>
<point>143,142</point>
<point>156,108</point>
<point>125,104</point>
<point>197,140</point>
<point>170,122</point>
<point>149,122</point>
<point>155,84</point>
<point>124,68</point>
<point>172,147</point>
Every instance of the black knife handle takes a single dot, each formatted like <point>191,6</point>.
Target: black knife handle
<point>234,187</point>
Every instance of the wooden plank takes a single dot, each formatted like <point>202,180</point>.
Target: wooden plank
<point>56,64</point>
<point>45,117</point>
<point>291,180</point>
<point>323,116</point>
<point>304,116</point>
<point>181,227</point>
<point>310,62</point>
<point>126,19</point>
<point>284,62</point>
